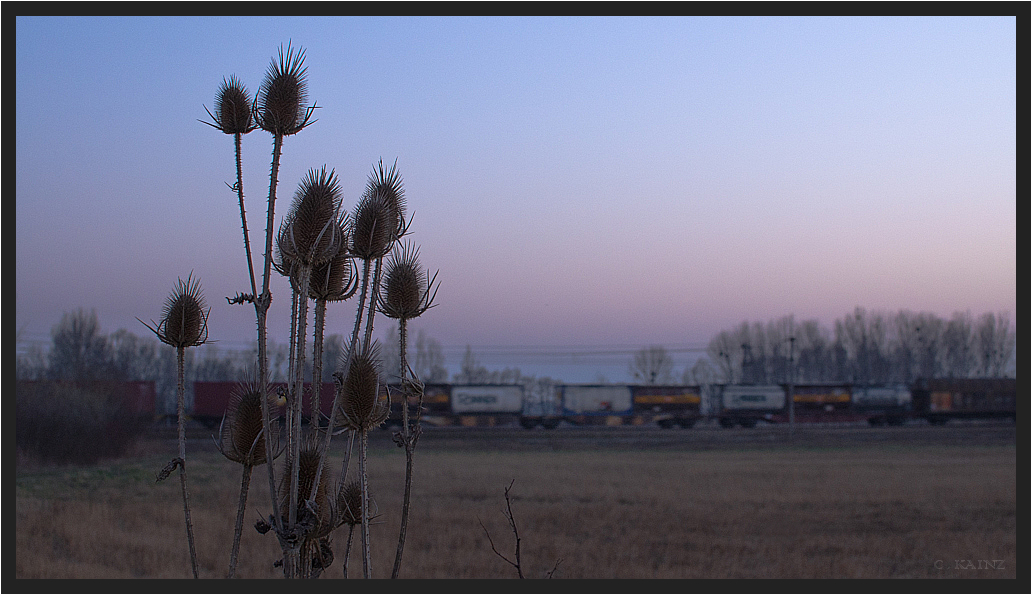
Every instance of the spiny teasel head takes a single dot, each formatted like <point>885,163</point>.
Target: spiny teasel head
<point>348,505</point>
<point>307,465</point>
<point>335,279</point>
<point>361,406</point>
<point>184,319</point>
<point>372,226</point>
<point>240,436</point>
<point>280,107</point>
<point>406,290</point>
<point>310,234</point>
<point>234,112</point>
<point>389,185</point>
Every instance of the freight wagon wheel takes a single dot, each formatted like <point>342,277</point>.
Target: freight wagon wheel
<point>551,424</point>
<point>666,424</point>
<point>687,423</point>
<point>727,423</point>
<point>748,423</point>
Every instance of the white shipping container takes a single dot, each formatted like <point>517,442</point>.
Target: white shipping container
<point>487,398</point>
<point>596,399</point>
<point>753,398</point>
<point>881,396</point>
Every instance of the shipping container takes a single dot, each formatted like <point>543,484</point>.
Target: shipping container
<point>487,399</point>
<point>601,400</point>
<point>667,405</point>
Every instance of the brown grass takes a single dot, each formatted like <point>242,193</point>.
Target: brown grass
<point>875,511</point>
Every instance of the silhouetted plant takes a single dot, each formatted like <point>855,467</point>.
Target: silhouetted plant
<point>184,323</point>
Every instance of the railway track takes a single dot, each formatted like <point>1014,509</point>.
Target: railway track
<point>701,437</point>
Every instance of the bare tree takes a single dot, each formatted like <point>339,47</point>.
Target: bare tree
<point>429,359</point>
<point>652,365</point>
<point>79,352</point>
<point>995,342</point>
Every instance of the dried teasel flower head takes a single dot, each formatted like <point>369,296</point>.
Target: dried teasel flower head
<point>361,406</point>
<point>280,107</point>
<point>407,291</point>
<point>372,226</point>
<point>349,503</point>
<point>389,185</point>
<point>310,233</point>
<point>234,112</point>
<point>335,279</point>
<point>184,319</point>
<point>320,523</point>
<point>241,438</point>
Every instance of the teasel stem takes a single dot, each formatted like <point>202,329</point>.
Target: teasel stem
<point>409,441</point>
<point>181,398</point>
<point>243,216</point>
<point>245,481</point>
<point>317,350</point>
<point>347,550</point>
<point>347,363</point>
<point>363,449</point>
<point>299,377</point>
<point>261,306</point>
<point>372,301</point>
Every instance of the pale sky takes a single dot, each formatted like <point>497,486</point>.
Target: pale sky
<point>584,181</point>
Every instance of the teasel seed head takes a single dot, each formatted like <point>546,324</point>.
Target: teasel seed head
<point>361,406</point>
<point>310,233</point>
<point>280,107</point>
<point>240,435</point>
<point>234,112</point>
<point>389,185</point>
<point>372,226</point>
<point>308,464</point>
<point>335,279</point>
<point>184,319</point>
<point>407,292</point>
<point>349,504</point>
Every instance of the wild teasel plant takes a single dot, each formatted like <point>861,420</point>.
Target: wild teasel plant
<point>348,512</point>
<point>309,236</point>
<point>184,323</point>
<point>332,281</point>
<point>360,407</point>
<point>408,292</point>
<point>242,440</point>
<point>313,519</point>
<point>315,245</point>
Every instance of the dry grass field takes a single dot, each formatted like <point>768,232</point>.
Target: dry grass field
<point>869,509</point>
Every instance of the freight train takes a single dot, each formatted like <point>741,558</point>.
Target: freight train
<point>935,401</point>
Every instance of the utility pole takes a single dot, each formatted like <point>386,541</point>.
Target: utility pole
<point>791,385</point>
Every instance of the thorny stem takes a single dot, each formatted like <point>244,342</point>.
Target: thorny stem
<point>409,440</point>
<point>261,306</point>
<point>317,351</point>
<point>347,550</point>
<point>182,456</point>
<point>363,447</point>
<point>372,300</point>
<point>243,216</point>
<point>336,395</point>
<point>244,483</point>
<point>295,404</point>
